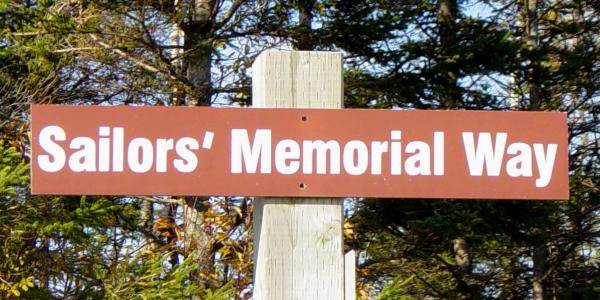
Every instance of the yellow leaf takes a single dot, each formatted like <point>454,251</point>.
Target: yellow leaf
<point>238,211</point>
<point>588,183</point>
<point>225,250</point>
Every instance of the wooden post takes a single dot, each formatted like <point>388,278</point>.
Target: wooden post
<point>350,275</point>
<point>298,243</point>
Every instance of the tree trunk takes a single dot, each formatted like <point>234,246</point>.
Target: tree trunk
<point>196,64</point>
<point>461,255</point>
<point>531,36</point>
<point>450,96</point>
<point>449,92</point>
<point>196,237</point>
<point>462,258</point>
<point>197,29</point>
<point>446,16</point>
<point>540,254</point>
<point>146,222</point>
<point>305,9</point>
<point>176,38</point>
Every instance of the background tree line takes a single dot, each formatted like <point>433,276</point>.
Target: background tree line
<point>407,54</point>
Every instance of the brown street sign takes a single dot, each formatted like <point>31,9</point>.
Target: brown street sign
<point>118,150</point>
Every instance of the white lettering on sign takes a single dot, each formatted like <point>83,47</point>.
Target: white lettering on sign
<point>489,155</point>
<point>242,151</point>
<point>109,153</point>
<point>84,159</point>
<point>55,159</point>
<point>486,154</point>
<point>321,150</point>
<point>287,153</point>
<point>328,157</point>
<point>188,160</point>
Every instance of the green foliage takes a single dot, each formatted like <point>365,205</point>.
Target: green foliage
<point>74,236</point>
<point>148,277</point>
<point>41,236</point>
<point>13,176</point>
<point>487,62</point>
<point>33,57</point>
<point>14,172</point>
<point>394,289</point>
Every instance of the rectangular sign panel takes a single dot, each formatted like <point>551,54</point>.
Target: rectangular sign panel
<point>116,150</point>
